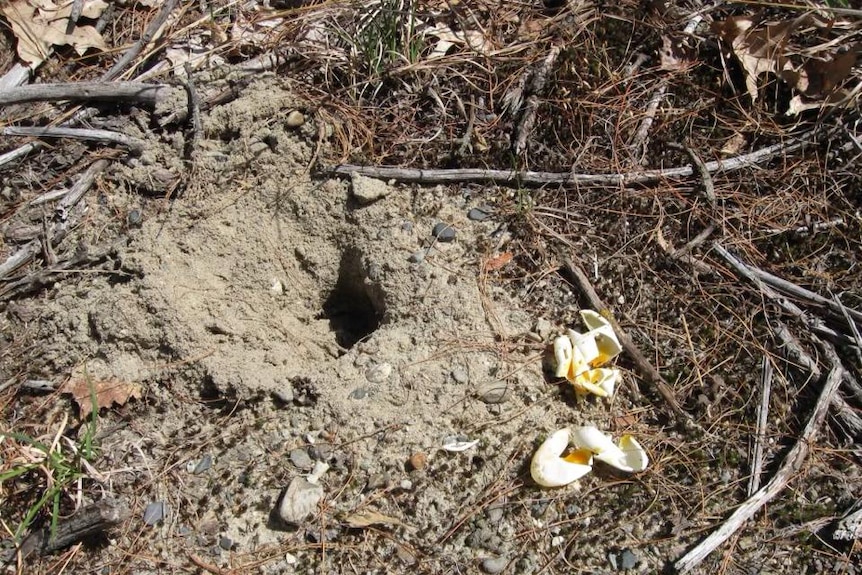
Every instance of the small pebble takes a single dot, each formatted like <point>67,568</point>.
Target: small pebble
<point>418,461</point>
<point>544,328</point>
<point>284,395</point>
<point>299,501</point>
<point>378,373</point>
<point>204,464</point>
<point>494,565</point>
<point>134,218</point>
<point>628,559</point>
<point>225,543</point>
<point>295,119</point>
<point>492,392</point>
<point>460,375</point>
<point>416,256</point>
<point>406,484</point>
<point>358,393</point>
<point>479,214</point>
<point>407,227</point>
<point>443,232</point>
<point>155,512</point>
<point>299,458</point>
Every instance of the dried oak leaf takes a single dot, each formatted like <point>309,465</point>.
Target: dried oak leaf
<point>108,392</point>
<point>41,24</point>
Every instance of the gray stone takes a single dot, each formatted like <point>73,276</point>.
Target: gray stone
<point>204,464</point>
<point>460,375</point>
<point>134,218</point>
<point>494,564</point>
<point>443,232</point>
<point>156,512</point>
<point>299,458</point>
<point>299,501</point>
<point>494,514</point>
<point>284,394</point>
<point>628,559</point>
<point>479,214</point>
<point>225,543</point>
<point>544,328</point>
<point>368,190</point>
<point>358,393</point>
<point>417,256</point>
<point>492,392</point>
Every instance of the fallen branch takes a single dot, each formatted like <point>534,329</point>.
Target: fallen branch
<point>530,178</point>
<point>760,436</point>
<point>805,295</point>
<point>644,367</point>
<point>848,419</point>
<point>133,92</point>
<point>88,521</point>
<point>103,136</point>
<point>792,464</point>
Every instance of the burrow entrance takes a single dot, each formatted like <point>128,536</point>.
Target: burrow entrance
<point>355,307</point>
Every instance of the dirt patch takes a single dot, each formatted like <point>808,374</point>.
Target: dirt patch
<point>267,316</point>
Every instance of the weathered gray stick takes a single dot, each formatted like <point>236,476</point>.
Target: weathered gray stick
<point>815,324</point>
<point>24,255</point>
<point>135,92</point>
<point>794,290</point>
<point>88,521</point>
<point>849,420</point>
<point>760,437</point>
<point>103,136</point>
<point>530,178</point>
<point>537,86</point>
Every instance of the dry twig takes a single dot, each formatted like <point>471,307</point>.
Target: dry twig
<point>644,367</point>
<point>120,66</point>
<point>531,178</point>
<point>88,521</point>
<point>760,437</point>
<point>29,251</point>
<point>103,136</point>
<point>136,92</point>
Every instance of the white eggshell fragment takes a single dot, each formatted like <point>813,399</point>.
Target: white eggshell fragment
<point>549,469</point>
<point>562,355</point>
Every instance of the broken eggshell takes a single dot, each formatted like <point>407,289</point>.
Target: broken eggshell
<point>603,333</point>
<point>550,469</point>
<point>579,355</point>
<point>628,455</point>
<point>599,381</point>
